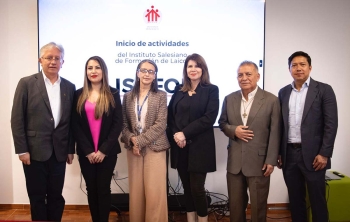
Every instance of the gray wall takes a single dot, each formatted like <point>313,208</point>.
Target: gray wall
<point>322,29</point>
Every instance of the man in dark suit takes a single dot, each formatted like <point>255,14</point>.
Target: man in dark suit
<point>40,122</point>
<point>309,127</point>
<point>251,119</point>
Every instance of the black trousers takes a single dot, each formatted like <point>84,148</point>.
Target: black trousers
<point>98,185</point>
<point>44,182</point>
<point>298,179</point>
<point>193,185</point>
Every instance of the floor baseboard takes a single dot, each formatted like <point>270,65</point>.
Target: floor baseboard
<point>27,207</point>
<point>271,206</point>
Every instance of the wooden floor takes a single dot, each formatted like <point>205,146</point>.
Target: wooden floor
<point>84,215</point>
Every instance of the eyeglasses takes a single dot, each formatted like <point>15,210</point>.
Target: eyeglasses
<point>49,59</point>
<point>149,71</point>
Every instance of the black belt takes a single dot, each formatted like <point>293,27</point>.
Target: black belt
<point>295,145</point>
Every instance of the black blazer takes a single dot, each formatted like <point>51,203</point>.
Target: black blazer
<point>319,122</point>
<point>199,133</point>
<point>32,121</point>
<point>111,127</point>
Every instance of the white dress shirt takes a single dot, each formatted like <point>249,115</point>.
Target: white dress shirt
<point>54,93</point>
<point>296,109</point>
<point>247,104</point>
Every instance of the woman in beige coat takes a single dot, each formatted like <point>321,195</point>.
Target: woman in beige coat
<point>144,124</point>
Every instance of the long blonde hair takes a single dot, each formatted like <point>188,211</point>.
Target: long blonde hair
<point>106,98</point>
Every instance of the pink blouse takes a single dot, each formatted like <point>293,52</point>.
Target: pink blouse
<point>95,124</point>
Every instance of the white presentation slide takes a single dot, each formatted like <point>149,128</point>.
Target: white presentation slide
<point>124,32</point>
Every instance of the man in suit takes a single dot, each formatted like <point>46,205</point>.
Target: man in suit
<point>309,127</point>
<point>40,122</point>
<point>251,119</point>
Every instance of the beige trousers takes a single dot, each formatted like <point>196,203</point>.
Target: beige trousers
<point>147,187</point>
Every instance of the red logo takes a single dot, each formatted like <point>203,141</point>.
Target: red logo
<point>152,16</point>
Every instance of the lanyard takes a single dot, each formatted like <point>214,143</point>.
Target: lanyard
<point>139,109</point>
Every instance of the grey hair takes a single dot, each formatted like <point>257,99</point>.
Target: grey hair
<point>51,45</point>
<point>249,63</point>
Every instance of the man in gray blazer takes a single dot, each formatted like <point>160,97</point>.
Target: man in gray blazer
<point>40,123</point>
<point>309,127</point>
<point>251,119</point>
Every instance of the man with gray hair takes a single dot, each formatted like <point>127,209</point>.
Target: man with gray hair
<point>40,123</point>
<point>251,119</point>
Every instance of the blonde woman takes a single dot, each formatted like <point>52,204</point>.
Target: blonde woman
<point>145,117</point>
<point>97,123</point>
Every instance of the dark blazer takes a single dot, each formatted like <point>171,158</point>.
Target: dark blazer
<point>111,127</point>
<point>199,133</point>
<point>318,125</point>
<point>32,122</point>
<point>264,121</point>
<point>153,136</point>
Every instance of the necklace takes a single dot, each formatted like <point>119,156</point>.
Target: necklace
<point>193,89</point>
<point>191,92</point>
<point>246,107</point>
